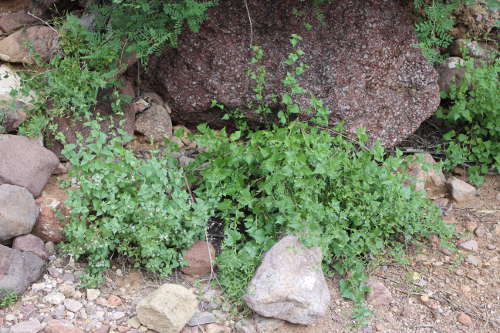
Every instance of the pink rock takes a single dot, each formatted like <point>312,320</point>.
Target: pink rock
<point>42,38</point>
<point>378,294</point>
<point>25,164</point>
<point>59,326</point>
<point>198,258</point>
<point>30,243</point>
<point>29,326</point>
<point>9,22</point>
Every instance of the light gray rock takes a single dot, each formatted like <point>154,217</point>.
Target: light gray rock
<point>54,298</point>
<point>18,269</point>
<point>25,164</point>
<point>201,318</point>
<point>29,326</point>
<point>72,305</point>
<point>18,211</point>
<point>167,309</point>
<point>154,123</point>
<point>470,245</point>
<point>289,284</point>
<point>460,190</point>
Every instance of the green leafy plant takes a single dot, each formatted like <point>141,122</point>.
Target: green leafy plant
<point>90,59</point>
<point>301,180</point>
<point>473,116</point>
<point>7,298</point>
<point>433,26</point>
<point>122,205</point>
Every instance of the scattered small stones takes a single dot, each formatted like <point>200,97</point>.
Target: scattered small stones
<point>464,319</point>
<point>469,245</point>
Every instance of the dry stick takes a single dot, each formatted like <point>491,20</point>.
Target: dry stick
<point>250,21</point>
<point>44,22</point>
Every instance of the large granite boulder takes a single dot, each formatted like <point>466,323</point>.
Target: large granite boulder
<point>362,63</point>
<point>289,284</point>
<point>25,163</point>
<point>19,269</point>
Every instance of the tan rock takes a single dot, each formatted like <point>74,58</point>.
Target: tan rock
<point>167,309</point>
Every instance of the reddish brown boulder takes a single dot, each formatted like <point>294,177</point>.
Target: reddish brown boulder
<point>198,258</point>
<point>362,63</point>
<point>24,163</point>
<point>30,243</point>
<point>23,45</point>
<point>49,227</point>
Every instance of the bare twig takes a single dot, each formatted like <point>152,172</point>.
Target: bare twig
<point>250,21</point>
<point>44,22</point>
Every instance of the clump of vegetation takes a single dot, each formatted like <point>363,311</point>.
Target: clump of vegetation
<point>473,115</point>
<point>91,57</point>
<point>297,177</point>
<point>123,205</point>
<point>7,298</point>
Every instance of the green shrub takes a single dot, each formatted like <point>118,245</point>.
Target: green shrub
<point>473,115</point>
<point>302,180</point>
<point>127,206</point>
<point>433,26</point>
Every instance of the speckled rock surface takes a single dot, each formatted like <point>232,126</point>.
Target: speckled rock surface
<point>362,64</point>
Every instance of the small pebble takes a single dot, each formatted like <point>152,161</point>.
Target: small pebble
<point>464,319</point>
<point>92,294</point>
<point>491,247</point>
